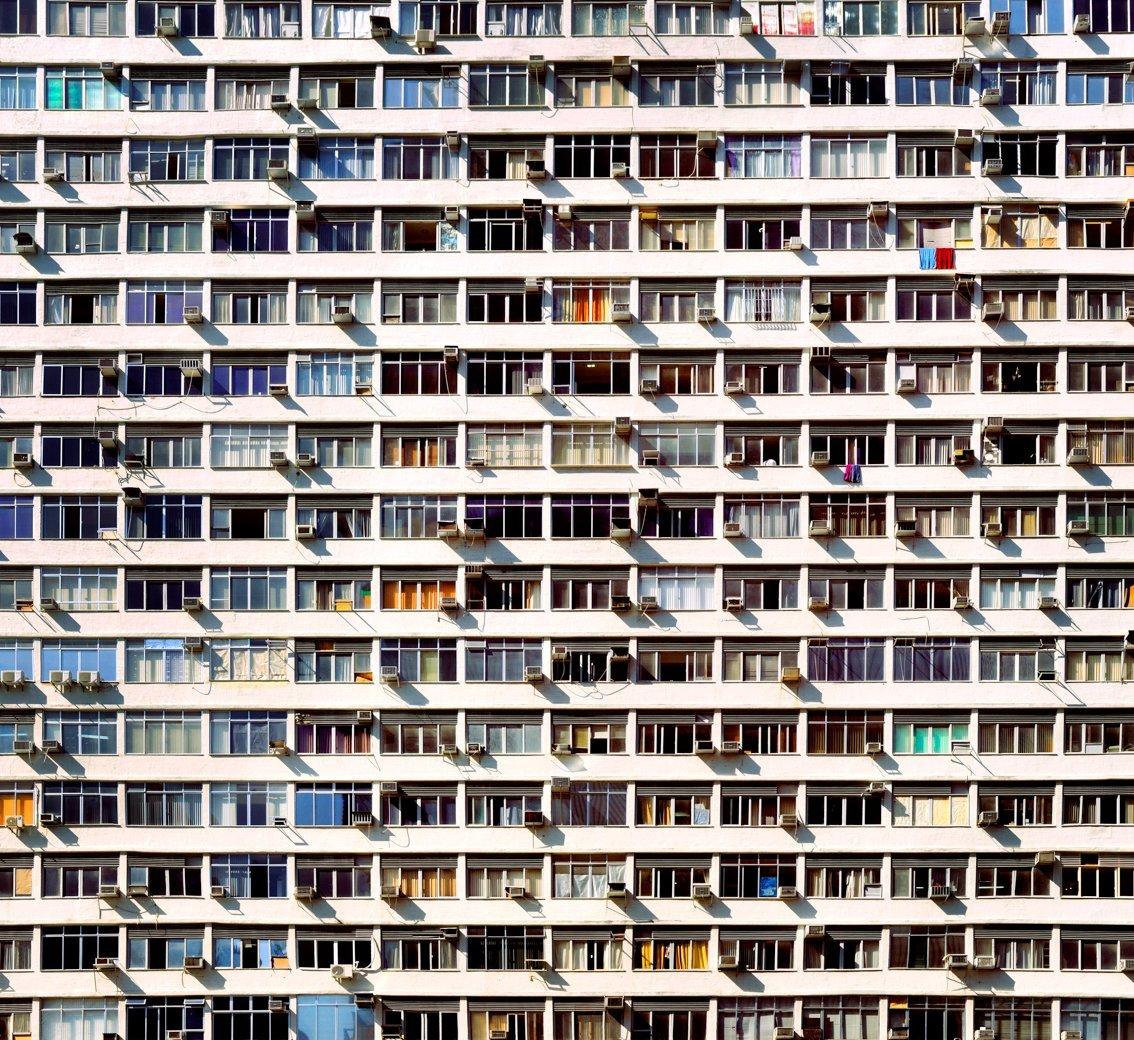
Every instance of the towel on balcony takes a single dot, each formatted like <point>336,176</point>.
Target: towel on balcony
<point>927,258</point>
<point>945,258</point>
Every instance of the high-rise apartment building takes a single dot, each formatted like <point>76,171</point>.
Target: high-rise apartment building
<point>602,520</point>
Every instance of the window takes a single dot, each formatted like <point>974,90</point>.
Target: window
<point>160,302</point>
<point>848,157</point>
<point>166,91</point>
<point>261,21</point>
<point>679,588</point>
<point>81,803</point>
<point>1015,590</point>
<point>843,732</point>
<point>925,946</point>
<point>1097,85</point>
<point>1098,735</point>
<point>1015,807</point>
<point>244,952</point>
<point>1009,662</point>
<point>81,87</point>
<point>415,159</point>
<point>858,447</point>
<point>327,946</point>
<point>168,160</point>
<point>18,18</point>
<point>75,947</point>
<point>1031,155</point>
<point>501,660</point>
<point>1023,949</point>
<point>338,159</point>
<point>82,733</point>
<point>1097,876</point>
<point>75,877</point>
<point>90,235</point>
<point>333,877</point>
<point>599,735</point>
<point>254,876</point>
<point>524,19</point>
<point>756,876</point>
<point>246,732</point>
<point>597,18</point>
<point>505,516</point>
<point>591,804</point>
<point>339,90</point>
<point>191,19</point>
<point>850,516</point>
<point>421,660</point>
<point>761,661</point>
<point>327,660</point>
<point>164,805</point>
<point>925,806</point>
<point>17,307</point>
<point>929,736</point>
<point>658,951</point>
<point>166,517</point>
<point>586,444</point>
<point>248,660</point>
<point>341,21</point>
<point>916,879</point>
<point>240,521</point>
<point>1021,519</point>
<point>690,19</point>
<point>674,664</point>
<point>163,733</point>
<point>247,378</point>
<point>762,301</point>
<point>764,516</point>
<point>246,158</point>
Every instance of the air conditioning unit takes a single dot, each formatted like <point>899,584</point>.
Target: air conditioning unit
<point>1048,603</point>
<point>363,387</point>
<point>474,750</point>
<point>787,892</point>
<point>820,313</point>
<point>450,750</point>
<point>617,891</point>
<point>733,529</point>
<point>305,209</point>
<point>305,532</point>
<point>1079,456</point>
<point>818,604</point>
<point>614,1003</point>
<point>278,459</point>
<point>534,818</point>
<point>819,459</point>
<point>1000,23</point>
<point>166,27</point>
<point>873,748</point>
<point>391,892</point>
<point>22,460</point>
<point>992,530</point>
<point>1078,528</point>
<point>702,893</point>
<point>452,215</point>
<point>23,747</point>
<point>876,788</point>
<point>536,169</point>
<point>424,40</point>
<point>906,529</point>
<point>108,366</point>
<point>105,964</point>
<point>992,168</point>
<point>561,783</point>
<point>380,27</point>
<point>1080,25</point>
<point>706,315</point>
<point>14,823</point>
<point>192,604</point>
<point>52,174</point>
<point>963,456</point>
<point>276,1005</point>
<point>25,244</point>
<point>1044,859</point>
<point>388,675</point>
<point>278,170</point>
<point>305,460</point>
<point>783,1033</point>
<point>734,604</point>
<point>498,1034</point>
<point>218,892</point>
<point>342,315</point>
<point>733,388</point>
<point>704,747</point>
<point>90,680</point>
<point>993,311</point>
<point>790,675</point>
<point>620,313</point>
<point>193,964</point>
<point>342,972</point>
<point>990,97</point>
<point>447,530</point>
<point>907,386</point>
<point>794,244</point>
<point>788,820</point>
<point>735,459</point>
<point>305,893</point>
<point>279,102</point>
<point>985,1032</point>
<point>619,170</point>
<point>956,961</point>
<point>109,892</point>
<point>516,891</point>
<point>1047,675</point>
<point>474,532</point>
<point>819,529</point>
<point>193,644</point>
<point>985,962</point>
<point>731,747</point>
<point>533,673</point>
<point>941,893</point>
<point>561,750</point>
<point>963,137</point>
<point>59,678</point>
<point>278,747</point>
<point>139,891</point>
<point>988,819</point>
<point>449,605</point>
<point>534,386</point>
<point>647,604</point>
